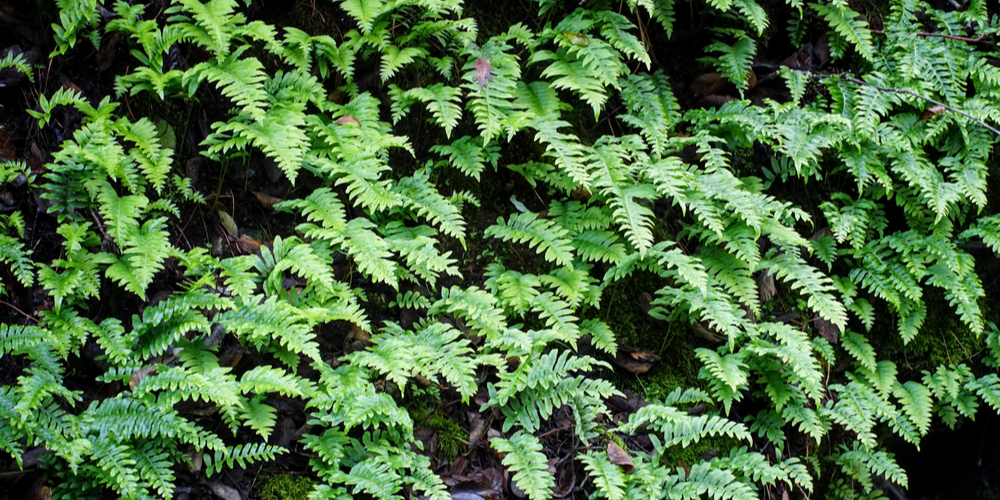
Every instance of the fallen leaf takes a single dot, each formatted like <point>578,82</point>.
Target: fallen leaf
<point>619,456</point>
<point>459,466</point>
<point>828,330</point>
<point>222,491</point>
<point>629,404</point>
<point>766,288</point>
<point>483,70</point>
<point>43,494</point>
<point>348,119</point>
<point>428,438</point>
<point>465,495</point>
<point>357,340</point>
<point>932,111</point>
<point>637,362</point>
<point>140,374</point>
<point>229,224</point>
<point>575,38</point>
<point>477,425</point>
<point>267,201</point>
<point>686,467</point>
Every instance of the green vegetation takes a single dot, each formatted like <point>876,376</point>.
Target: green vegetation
<point>284,487</point>
<point>469,220</point>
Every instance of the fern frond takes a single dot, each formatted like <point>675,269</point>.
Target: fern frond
<point>523,456</point>
<point>541,234</point>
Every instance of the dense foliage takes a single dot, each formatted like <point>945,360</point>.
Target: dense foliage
<point>850,197</point>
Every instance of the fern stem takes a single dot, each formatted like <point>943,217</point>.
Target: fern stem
<point>843,76</point>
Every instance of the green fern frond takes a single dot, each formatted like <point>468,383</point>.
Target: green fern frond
<point>541,234</point>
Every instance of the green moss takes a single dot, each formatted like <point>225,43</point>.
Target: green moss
<point>284,487</point>
<point>699,452</point>
<point>622,310</point>
<point>450,436</point>
<point>943,339</point>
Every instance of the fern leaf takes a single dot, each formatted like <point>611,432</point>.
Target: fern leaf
<point>541,234</point>
<point>523,455</point>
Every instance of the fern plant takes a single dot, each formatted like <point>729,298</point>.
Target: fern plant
<point>659,193</point>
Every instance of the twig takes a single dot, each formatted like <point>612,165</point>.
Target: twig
<point>941,35</point>
<point>843,76</point>
<point>100,227</point>
<point>26,315</point>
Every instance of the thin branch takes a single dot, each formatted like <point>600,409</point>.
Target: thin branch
<point>26,315</point>
<point>843,76</point>
<point>941,35</point>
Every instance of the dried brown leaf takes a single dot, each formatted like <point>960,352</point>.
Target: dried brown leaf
<point>267,201</point>
<point>140,374</point>
<point>766,288</point>
<point>483,72</point>
<point>348,119</point>
<point>828,330</point>
<point>686,467</point>
<point>222,491</point>
<point>619,456</point>
<point>932,111</point>
<point>246,246</point>
<point>637,362</point>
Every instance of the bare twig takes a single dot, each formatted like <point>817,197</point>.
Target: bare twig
<point>942,35</point>
<point>844,76</point>
<point>26,315</point>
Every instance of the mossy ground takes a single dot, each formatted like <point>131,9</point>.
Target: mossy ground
<point>284,487</point>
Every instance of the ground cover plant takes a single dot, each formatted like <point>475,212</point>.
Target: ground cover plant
<point>414,249</point>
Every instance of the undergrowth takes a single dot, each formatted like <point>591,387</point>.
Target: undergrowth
<point>893,140</point>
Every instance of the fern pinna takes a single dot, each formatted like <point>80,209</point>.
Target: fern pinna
<point>391,131</point>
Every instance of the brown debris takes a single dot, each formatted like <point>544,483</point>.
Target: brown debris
<point>266,201</point>
<point>828,330</point>
<point>619,457</point>
<point>637,362</point>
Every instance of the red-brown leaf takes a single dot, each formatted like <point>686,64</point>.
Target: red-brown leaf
<point>483,70</point>
<point>620,457</point>
<point>932,111</point>
<point>348,119</point>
